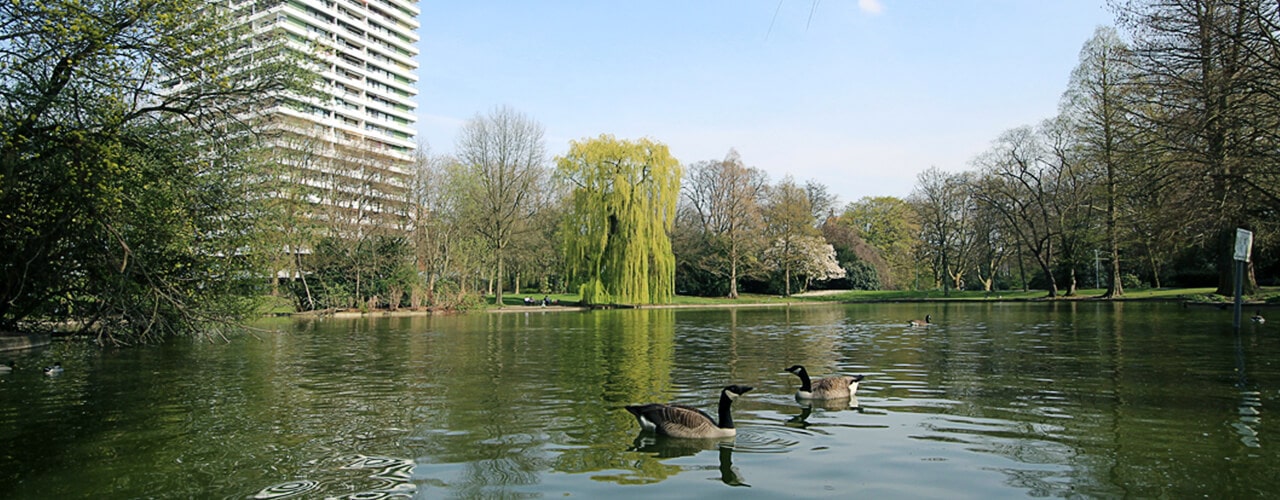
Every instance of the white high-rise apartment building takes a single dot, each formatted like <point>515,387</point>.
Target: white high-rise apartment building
<point>350,146</point>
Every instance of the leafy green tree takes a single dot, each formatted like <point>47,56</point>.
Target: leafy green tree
<point>890,226</point>
<point>789,224</point>
<point>617,232</point>
<point>291,224</point>
<point>863,264</point>
<point>126,183</point>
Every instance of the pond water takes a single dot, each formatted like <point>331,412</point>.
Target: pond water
<point>993,400</point>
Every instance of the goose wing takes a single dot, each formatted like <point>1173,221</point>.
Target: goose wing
<point>675,420</point>
<point>832,387</point>
<point>690,408</point>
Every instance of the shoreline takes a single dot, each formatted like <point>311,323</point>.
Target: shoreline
<point>578,308</point>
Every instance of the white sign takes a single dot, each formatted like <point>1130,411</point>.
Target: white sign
<point>1244,244</point>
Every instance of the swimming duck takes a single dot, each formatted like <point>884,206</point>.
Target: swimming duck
<point>835,387</point>
<point>682,421</point>
<point>1257,318</point>
<point>56,369</point>
<point>928,320</point>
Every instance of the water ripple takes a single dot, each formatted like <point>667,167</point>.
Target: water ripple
<point>287,489</point>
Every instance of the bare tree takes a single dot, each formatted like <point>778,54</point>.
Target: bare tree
<point>502,157</point>
<point>725,200</point>
<point>1210,69</point>
<point>1016,184</point>
<point>944,204</point>
<point>1097,105</point>
<point>821,201</point>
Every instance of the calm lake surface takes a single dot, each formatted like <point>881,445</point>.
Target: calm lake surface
<point>994,400</point>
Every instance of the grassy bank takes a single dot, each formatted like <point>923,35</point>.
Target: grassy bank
<point>1169,294</point>
<point>1269,295</point>
<point>1174,294</point>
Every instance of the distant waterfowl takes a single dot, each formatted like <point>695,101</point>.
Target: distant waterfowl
<point>53,370</point>
<point>7,367</point>
<point>836,387</point>
<point>686,421</point>
<point>928,320</point>
<point>1257,318</point>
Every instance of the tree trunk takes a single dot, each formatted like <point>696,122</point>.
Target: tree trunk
<point>786,280</point>
<point>497,294</point>
<point>733,272</point>
<point>1022,268</point>
<point>1155,269</point>
<point>311,302</point>
<point>946,272</point>
<point>1114,287</point>
<point>1048,275</point>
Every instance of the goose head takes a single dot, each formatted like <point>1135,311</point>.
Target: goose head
<point>733,391</point>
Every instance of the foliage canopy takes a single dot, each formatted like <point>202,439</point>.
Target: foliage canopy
<point>124,169</point>
<point>616,234</point>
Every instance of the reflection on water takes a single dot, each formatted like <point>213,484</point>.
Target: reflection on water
<point>664,447</point>
<point>994,400</point>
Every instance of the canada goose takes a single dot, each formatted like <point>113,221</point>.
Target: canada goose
<point>928,320</point>
<point>7,367</point>
<point>686,421</point>
<point>1257,318</point>
<point>56,369</point>
<point>835,387</point>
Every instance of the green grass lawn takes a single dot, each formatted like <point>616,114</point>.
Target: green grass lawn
<point>518,299</point>
<point>1190,294</point>
<point>964,295</point>
<point>280,305</point>
<point>271,305</point>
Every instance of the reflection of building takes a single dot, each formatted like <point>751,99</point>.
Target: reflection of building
<point>347,149</point>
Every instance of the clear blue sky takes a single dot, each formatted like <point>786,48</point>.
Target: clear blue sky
<point>858,95</point>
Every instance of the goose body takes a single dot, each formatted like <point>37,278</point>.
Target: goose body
<point>683,421</point>
<point>1257,318</point>
<point>835,387</point>
<point>7,367</point>
<point>56,369</point>
<point>928,320</point>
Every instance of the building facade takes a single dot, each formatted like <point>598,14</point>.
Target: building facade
<point>346,149</point>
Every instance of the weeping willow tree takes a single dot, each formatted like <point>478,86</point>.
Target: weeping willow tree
<point>617,234</point>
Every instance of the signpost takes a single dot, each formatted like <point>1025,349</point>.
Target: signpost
<point>1244,247</point>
